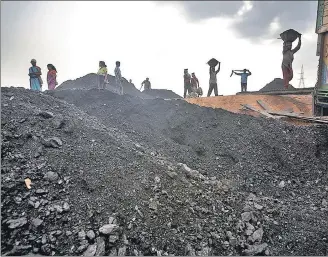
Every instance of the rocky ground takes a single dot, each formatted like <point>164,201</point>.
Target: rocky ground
<point>120,175</point>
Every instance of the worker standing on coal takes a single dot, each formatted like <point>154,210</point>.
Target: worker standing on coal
<point>194,82</point>
<point>187,83</point>
<point>146,84</point>
<point>35,76</point>
<point>243,77</point>
<point>213,80</point>
<point>287,60</point>
<point>102,75</point>
<point>118,77</point>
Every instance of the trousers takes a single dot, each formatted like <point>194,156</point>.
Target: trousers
<point>187,87</point>
<point>213,86</point>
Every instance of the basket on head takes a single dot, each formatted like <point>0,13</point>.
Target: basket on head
<point>289,35</point>
<point>213,62</point>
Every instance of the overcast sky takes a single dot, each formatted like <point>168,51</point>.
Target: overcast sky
<point>156,40</point>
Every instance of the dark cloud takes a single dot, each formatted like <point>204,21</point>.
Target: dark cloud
<point>299,15</point>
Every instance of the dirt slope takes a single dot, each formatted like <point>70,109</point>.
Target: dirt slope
<point>255,186</point>
<point>296,104</point>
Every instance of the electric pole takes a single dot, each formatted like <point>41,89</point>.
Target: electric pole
<point>301,83</point>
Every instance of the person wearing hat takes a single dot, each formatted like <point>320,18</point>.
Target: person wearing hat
<point>35,76</point>
<point>146,84</point>
<point>287,60</point>
<point>187,83</point>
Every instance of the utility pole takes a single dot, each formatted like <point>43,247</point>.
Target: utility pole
<point>301,83</point>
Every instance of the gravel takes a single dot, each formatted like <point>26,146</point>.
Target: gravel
<point>155,177</point>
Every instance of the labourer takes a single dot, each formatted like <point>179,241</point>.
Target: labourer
<point>187,83</point>
<point>35,76</point>
<point>146,84</point>
<point>213,80</point>
<point>51,77</point>
<point>194,82</point>
<point>243,79</point>
<point>118,77</point>
<point>102,75</point>
<point>287,61</point>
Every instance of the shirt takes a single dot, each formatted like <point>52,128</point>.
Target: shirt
<point>194,81</point>
<point>244,77</point>
<point>102,71</point>
<point>146,84</point>
<point>34,69</point>
<point>187,78</point>
<point>117,72</point>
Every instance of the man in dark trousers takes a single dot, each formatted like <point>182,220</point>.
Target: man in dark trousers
<point>187,83</point>
<point>213,80</point>
<point>243,77</point>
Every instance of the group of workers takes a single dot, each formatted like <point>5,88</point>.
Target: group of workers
<point>36,81</point>
<point>191,83</point>
<point>102,76</point>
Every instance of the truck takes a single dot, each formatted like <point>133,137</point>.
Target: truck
<point>320,94</point>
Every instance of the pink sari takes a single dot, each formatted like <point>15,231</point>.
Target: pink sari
<point>51,79</point>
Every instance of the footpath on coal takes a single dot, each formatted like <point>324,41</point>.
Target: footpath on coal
<point>120,175</point>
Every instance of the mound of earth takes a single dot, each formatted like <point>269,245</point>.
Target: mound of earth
<point>275,85</point>
<point>90,81</point>
<point>120,175</point>
<point>162,93</point>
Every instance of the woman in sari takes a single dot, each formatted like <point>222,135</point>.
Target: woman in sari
<point>35,76</point>
<point>51,77</point>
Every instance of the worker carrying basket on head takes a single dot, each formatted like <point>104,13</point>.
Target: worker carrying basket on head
<point>289,36</point>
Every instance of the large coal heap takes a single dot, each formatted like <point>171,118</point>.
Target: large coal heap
<point>120,175</point>
<point>275,85</point>
<point>90,81</point>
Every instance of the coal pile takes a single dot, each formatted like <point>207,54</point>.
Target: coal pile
<point>120,175</point>
<point>162,93</point>
<point>275,85</point>
<point>90,81</point>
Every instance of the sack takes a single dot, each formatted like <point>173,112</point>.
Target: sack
<point>199,91</point>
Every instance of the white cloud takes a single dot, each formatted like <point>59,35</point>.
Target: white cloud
<point>150,41</point>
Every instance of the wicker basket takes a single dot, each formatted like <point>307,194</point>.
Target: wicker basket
<point>289,35</point>
<point>213,62</point>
